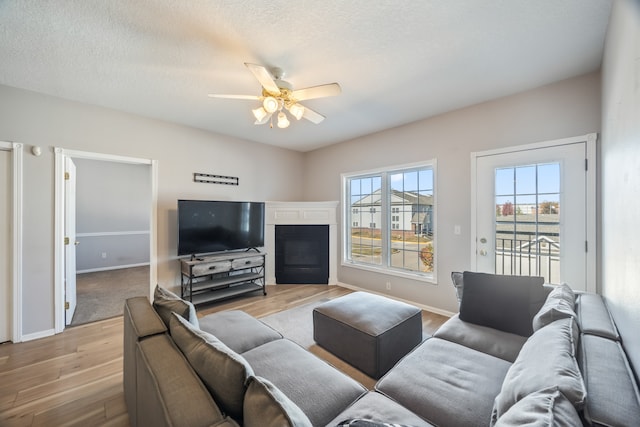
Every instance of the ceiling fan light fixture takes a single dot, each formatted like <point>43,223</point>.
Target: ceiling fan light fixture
<point>259,113</point>
<point>296,111</point>
<point>283,122</point>
<point>270,104</point>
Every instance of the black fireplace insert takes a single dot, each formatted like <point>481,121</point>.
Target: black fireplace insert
<point>302,254</point>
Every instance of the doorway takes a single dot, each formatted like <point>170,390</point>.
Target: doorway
<point>106,249</point>
<point>534,211</point>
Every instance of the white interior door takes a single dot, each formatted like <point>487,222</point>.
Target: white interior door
<point>5,245</point>
<point>70,239</point>
<point>531,213</point>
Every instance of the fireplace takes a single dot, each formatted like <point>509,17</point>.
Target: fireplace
<point>300,213</point>
<point>302,254</point>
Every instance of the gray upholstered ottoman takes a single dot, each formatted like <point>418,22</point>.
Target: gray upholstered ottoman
<point>368,331</point>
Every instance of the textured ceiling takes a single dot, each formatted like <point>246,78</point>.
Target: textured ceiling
<point>397,61</point>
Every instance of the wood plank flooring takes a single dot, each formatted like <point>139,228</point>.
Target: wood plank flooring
<point>75,378</point>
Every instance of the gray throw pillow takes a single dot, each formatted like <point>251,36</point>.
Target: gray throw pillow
<point>166,302</point>
<point>506,303</point>
<point>223,371</point>
<point>458,283</point>
<point>266,406</point>
<point>560,304</point>
<point>546,360</point>
<point>544,408</point>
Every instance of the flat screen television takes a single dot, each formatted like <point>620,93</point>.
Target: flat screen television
<point>207,226</point>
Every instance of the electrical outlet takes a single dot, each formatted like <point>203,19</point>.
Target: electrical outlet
<point>104,255</point>
<point>388,286</point>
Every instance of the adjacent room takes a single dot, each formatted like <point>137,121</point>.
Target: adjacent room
<point>319,214</point>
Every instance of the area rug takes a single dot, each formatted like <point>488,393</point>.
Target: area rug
<point>296,324</point>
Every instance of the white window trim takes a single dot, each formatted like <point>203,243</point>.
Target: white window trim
<point>384,269</point>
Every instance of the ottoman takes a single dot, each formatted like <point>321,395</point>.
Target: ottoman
<point>368,331</point>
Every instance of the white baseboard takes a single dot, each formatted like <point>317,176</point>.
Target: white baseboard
<point>37,335</point>
<point>421,306</point>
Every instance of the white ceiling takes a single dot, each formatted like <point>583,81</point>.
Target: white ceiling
<point>397,61</point>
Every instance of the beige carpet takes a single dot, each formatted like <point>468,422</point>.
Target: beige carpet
<point>101,295</point>
<point>296,324</point>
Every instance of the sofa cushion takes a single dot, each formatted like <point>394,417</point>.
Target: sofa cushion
<point>546,360</point>
<point>169,392</point>
<point>316,387</point>
<point>506,303</point>
<point>222,370</point>
<point>613,398</point>
<point>544,408</point>
<point>266,406</point>
<point>446,383</point>
<point>594,317</point>
<point>238,330</point>
<point>166,302</point>
<point>377,409</point>
<point>559,304</point>
<point>491,341</point>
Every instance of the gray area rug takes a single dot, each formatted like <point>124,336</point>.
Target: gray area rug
<point>296,324</point>
<point>101,295</point>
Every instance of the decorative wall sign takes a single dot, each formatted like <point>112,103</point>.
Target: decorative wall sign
<point>215,179</point>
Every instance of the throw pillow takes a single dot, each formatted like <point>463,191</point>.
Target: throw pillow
<point>266,406</point>
<point>546,360</point>
<point>506,303</point>
<point>223,371</point>
<point>544,408</point>
<point>458,283</point>
<point>559,305</point>
<point>166,302</point>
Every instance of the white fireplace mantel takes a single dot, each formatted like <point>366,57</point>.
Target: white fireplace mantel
<point>295,213</point>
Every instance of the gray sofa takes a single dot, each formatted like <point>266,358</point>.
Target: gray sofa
<point>548,357</point>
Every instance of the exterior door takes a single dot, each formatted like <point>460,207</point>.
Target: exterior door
<point>532,213</point>
<point>70,239</point>
<point>5,245</point>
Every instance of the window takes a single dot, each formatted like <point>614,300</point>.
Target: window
<point>399,205</point>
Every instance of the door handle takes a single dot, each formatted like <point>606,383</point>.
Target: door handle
<point>483,252</point>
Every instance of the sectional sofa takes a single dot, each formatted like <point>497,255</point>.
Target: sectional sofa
<point>518,352</point>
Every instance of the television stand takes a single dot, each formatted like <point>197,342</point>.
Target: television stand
<point>221,276</point>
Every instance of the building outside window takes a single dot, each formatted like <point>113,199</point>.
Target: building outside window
<point>399,205</point>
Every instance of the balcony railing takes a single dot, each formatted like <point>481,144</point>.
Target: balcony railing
<point>529,257</point>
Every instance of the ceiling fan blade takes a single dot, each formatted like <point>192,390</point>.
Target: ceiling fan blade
<point>322,91</point>
<point>264,77</point>
<point>250,97</point>
<point>264,120</point>
<point>312,116</point>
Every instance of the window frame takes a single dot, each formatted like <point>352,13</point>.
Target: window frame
<point>386,221</point>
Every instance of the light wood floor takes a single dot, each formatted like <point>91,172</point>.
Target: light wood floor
<point>75,378</point>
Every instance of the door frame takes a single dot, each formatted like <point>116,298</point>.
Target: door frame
<point>60,154</point>
<point>16,150</point>
<point>590,140</point>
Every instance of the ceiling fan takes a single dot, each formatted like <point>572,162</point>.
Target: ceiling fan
<point>278,95</point>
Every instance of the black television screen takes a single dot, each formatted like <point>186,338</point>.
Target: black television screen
<point>206,226</point>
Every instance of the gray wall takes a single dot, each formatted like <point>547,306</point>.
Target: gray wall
<point>113,205</point>
<point>564,109</point>
<point>265,172</point>
<point>621,172</point>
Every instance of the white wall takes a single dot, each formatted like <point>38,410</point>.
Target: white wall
<point>265,172</point>
<point>621,172</point>
<point>564,109</point>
